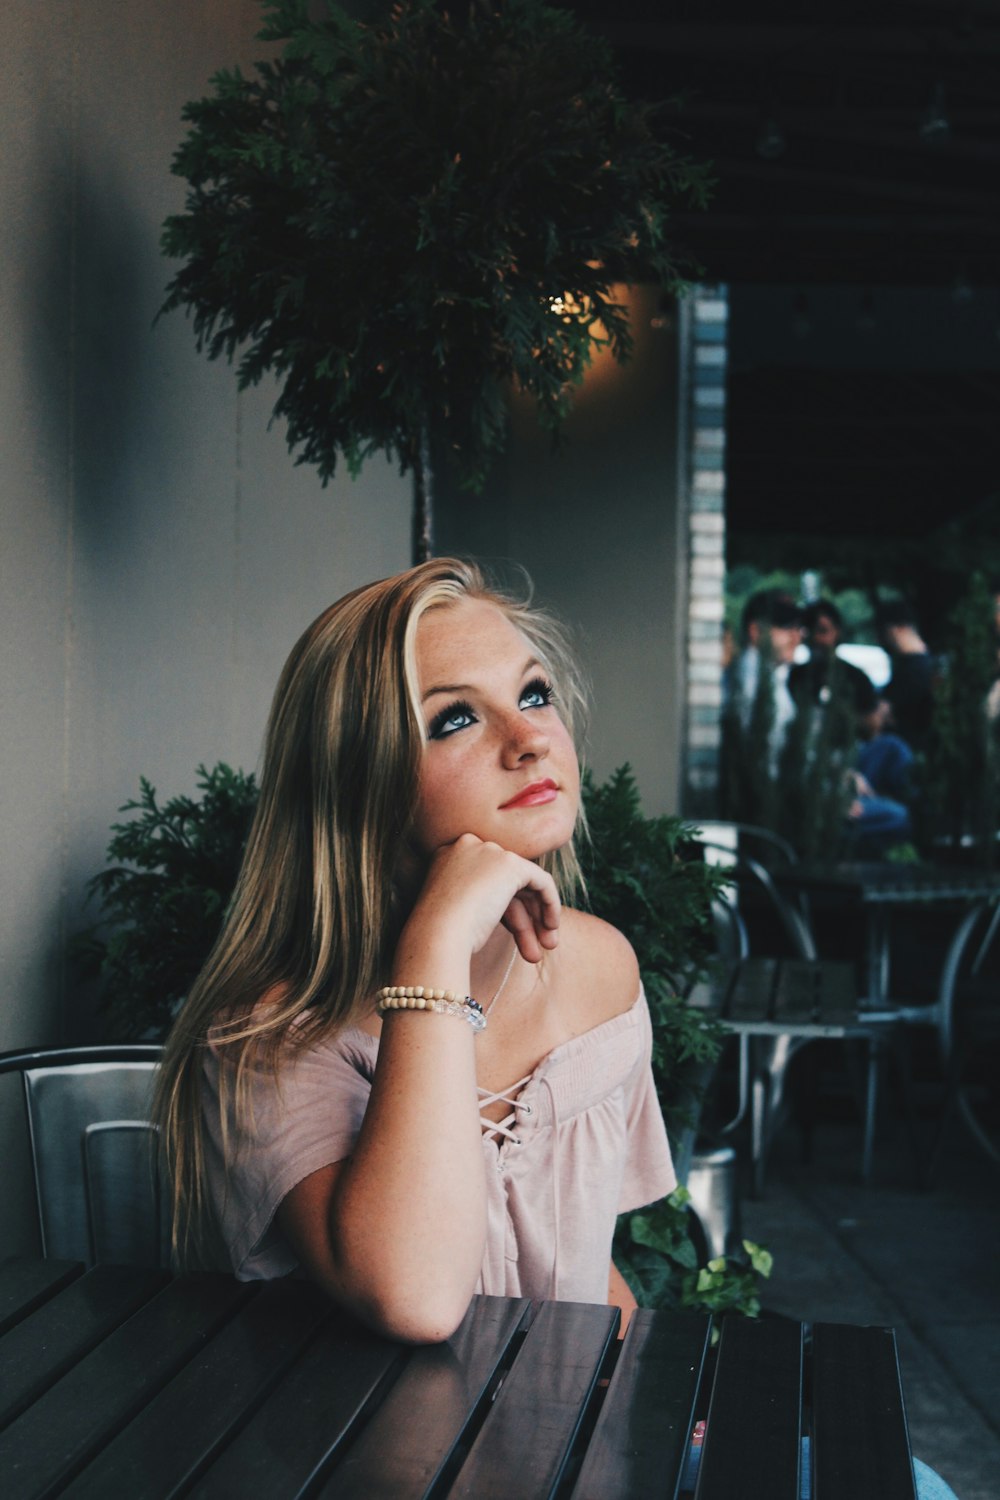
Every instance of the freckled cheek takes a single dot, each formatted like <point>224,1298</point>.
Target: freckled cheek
<point>443,807</point>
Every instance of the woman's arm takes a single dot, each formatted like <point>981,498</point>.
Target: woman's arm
<point>397,1231</point>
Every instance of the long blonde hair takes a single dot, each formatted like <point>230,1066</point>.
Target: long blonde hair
<point>316,911</point>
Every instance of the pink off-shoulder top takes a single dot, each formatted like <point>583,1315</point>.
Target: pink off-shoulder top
<point>583,1141</point>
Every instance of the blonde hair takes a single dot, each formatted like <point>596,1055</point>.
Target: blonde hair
<point>316,911</point>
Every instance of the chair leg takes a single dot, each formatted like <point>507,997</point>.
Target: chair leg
<point>758,1127</point>
<point>901,1049</point>
<point>871,1106</point>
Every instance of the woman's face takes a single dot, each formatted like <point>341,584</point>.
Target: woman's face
<point>498,761</point>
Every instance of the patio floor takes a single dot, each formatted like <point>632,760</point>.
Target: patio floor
<point>927,1262</point>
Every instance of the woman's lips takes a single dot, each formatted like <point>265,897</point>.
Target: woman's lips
<point>533,796</point>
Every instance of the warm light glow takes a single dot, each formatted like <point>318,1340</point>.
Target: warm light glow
<point>567,306</point>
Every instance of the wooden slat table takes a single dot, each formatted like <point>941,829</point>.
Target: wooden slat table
<point>121,1381</point>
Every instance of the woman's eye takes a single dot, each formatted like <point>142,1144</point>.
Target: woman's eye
<point>456,716</point>
<point>537,694</point>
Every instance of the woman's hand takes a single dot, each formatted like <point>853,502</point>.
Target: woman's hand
<point>470,888</point>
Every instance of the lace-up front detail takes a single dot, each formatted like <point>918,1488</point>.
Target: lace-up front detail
<point>505,1128</point>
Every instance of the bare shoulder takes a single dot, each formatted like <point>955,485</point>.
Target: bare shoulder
<point>602,963</point>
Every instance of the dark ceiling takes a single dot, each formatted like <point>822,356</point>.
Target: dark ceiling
<point>856,147</point>
<point>851,142</point>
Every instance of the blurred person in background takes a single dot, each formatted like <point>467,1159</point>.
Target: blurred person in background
<point>757,682</point>
<point>910,691</point>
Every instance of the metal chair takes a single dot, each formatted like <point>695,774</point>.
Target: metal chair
<point>725,832</point>
<point>966,1015</point>
<point>93,1152</point>
<point>764,1060</point>
<point>729,845</point>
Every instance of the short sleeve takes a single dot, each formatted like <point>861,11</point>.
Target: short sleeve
<point>649,1170</point>
<point>307,1118</point>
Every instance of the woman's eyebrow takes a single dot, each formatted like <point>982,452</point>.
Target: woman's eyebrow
<point>467,687</point>
<point>446,687</point>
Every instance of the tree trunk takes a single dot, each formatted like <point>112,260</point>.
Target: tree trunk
<point>423,500</point>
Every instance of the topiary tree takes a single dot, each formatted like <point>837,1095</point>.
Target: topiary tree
<point>400,217</point>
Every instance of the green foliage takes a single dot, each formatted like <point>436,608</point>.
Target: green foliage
<point>654,1251</point>
<point>963,754</point>
<point>802,792</point>
<point>385,216</point>
<point>815,789</point>
<point>172,873</point>
<point>645,876</point>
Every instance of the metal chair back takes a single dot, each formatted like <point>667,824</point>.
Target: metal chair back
<point>94,1153</point>
<point>750,873</point>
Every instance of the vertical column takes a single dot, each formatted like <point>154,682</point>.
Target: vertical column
<point>706,512</point>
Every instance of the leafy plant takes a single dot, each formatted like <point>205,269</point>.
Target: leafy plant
<point>963,754</point>
<point>398,217</point>
<point>657,1256</point>
<point>801,792</point>
<point>646,877</point>
<point>173,870</point>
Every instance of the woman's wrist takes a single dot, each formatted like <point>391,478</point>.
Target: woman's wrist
<point>424,959</point>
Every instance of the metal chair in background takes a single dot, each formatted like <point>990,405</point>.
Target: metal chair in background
<point>764,1059</point>
<point>94,1152</point>
<point>966,1017</point>
<point>739,848</point>
<point>763,1064</point>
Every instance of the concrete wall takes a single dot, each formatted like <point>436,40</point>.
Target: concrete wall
<point>159,552</point>
<point>600,527</point>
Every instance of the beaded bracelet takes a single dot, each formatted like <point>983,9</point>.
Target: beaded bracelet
<point>422,997</point>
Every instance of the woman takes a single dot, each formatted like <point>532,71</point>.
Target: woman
<point>419,796</point>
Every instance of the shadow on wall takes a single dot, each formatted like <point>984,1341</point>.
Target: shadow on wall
<point>97,432</point>
<point>89,349</point>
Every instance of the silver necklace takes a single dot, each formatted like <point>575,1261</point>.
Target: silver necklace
<point>499,988</point>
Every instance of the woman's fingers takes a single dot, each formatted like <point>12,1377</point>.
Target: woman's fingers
<point>522,928</point>
<point>474,885</point>
<point>524,920</point>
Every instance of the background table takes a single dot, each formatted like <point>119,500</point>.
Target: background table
<point>882,887</point>
<point>126,1382</point>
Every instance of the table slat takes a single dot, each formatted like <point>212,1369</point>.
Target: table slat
<point>751,994</point>
<point>37,1352</point>
<point>639,1445</point>
<point>418,1431</point>
<point>838,1001</point>
<point>26,1284</point>
<point>66,1427</point>
<point>861,1446</point>
<point>797,992</point>
<point>174,1439</point>
<point>555,1377</point>
<point>288,1444</point>
<point>754,1409</point>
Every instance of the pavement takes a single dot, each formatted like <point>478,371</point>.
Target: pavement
<point>926,1261</point>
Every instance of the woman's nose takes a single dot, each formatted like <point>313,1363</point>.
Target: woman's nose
<point>524,739</point>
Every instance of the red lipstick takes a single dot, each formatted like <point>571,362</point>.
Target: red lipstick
<point>534,795</point>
